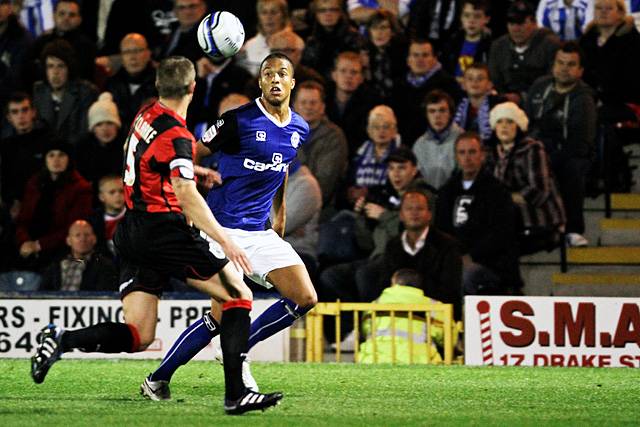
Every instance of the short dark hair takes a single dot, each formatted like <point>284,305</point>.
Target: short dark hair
<point>311,85</point>
<point>478,66</point>
<point>420,40</point>
<point>174,76</point>
<point>349,55</point>
<point>407,277</point>
<point>438,95</point>
<point>468,135</point>
<point>572,47</point>
<point>277,55</point>
<point>17,97</point>
<point>416,191</point>
<point>482,5</point>
<point>383,15</point>
<point>69,1</point>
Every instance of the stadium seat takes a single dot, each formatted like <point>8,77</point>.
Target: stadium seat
<point>13,281</point>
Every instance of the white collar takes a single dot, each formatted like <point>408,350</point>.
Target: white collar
<point>271,117</point>
<point>419,243</point>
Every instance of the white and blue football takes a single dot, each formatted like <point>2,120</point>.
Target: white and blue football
<point>221,34</point>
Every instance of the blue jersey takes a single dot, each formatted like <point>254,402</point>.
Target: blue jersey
<point>255,150</point>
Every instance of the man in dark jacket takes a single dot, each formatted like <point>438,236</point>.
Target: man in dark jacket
<point>22,154</point>
<point>518,58</point>
<point>82,269</point>
<point>134,83</point>
<point>562,111</point>
<point>67,20</point>
<point>425,74</point>
<point>429,251</point>
<point>477,209</point>
<point>62,99</point>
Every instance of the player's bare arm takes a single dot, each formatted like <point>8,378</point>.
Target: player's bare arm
<point>196,209</point>
<point>280,208</point>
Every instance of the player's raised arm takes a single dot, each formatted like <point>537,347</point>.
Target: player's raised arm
<point>196,209</point>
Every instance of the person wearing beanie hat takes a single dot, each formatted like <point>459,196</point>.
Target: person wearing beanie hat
<point>103,110</point>
<point>509,110</point>
<point>53,199</point>
<point>100,150</point>
<point>522,165</point>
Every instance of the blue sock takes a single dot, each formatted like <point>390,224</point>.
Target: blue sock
<point>189,343</point>
<point>279,316</point>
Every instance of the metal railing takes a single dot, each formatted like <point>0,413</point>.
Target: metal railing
<point>370,312</point>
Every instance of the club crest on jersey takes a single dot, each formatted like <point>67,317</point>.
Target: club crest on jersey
<point>261,135</point>
<point>295,139</point>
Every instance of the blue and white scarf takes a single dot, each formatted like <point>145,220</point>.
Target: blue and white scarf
<point>482,119</point>
<point>418,81</point>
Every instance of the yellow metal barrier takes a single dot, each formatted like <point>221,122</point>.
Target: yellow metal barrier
<point>315,334</point>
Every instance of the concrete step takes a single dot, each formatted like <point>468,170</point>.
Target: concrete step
<point>619,232</point>
<point>625,201</point>
<point>596,284</point>
<point>614,255</point>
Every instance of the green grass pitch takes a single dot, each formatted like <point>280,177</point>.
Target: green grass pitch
<point>100,393</point>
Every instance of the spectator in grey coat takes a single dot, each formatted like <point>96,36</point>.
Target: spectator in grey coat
<point>62,99</point>
<point>522,55</point>
<point>434,149</point>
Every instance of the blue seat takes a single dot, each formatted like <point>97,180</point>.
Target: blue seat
<point>13,281</point>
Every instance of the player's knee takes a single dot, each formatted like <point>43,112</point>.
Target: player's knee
<point>145,341</point>
<point>307,299</point>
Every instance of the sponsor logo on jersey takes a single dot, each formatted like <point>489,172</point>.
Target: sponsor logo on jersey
<point>276,164</point>
<point>210,134</point>
<point>261,135</point>
<point>295,139</point>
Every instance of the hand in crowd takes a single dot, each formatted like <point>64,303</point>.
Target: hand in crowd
<point>354,193</point>
<point>29,248</point>
<point>518,199</point>
<point>373,210</point>
<point>14,211</point>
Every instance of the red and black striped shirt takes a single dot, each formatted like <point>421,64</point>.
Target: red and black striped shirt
<point>158,147</point>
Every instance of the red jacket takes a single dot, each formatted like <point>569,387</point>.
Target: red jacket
<point>71,202</point>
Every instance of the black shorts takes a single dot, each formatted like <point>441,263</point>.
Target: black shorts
<point>153,247</point>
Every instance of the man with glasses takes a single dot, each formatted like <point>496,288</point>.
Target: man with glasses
<point>134,83</point>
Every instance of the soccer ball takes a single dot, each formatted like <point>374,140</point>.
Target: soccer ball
<point>220,34</point>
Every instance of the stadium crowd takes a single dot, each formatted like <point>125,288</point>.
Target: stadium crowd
<point>447,136</point>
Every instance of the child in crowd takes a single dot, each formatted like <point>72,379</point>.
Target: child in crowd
<point>473,111</point>
<point>105,219</point>
<point>470,44</point>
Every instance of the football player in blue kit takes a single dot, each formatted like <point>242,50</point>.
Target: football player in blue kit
<point>256,142</point>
